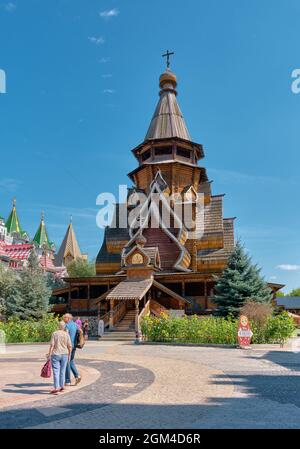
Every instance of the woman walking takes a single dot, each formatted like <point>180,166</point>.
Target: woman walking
<point>60,352</point>
<point>85,329</point>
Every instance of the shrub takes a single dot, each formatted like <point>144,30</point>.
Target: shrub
<point>214,330</point>
<point>279,328</point>
<point>189,329</point>
<point>22,331</point>
<point>257,312</point>
<point>81,268</point>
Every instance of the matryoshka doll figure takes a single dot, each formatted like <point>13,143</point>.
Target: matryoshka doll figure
<point>244,331</point>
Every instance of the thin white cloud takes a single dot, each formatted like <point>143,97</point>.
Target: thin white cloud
<point>104,60</point>
<point>96,40</point>
<point>273,278</point>
<point>288,267</point>
<point>9,7</point>
<point>228,176</point>
<point>106,75</point>
<point>109,13</point>
<point>88,213</point>
<point>109,91</point>
<point>10,185</point>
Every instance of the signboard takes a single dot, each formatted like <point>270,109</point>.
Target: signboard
<point>244,332</point>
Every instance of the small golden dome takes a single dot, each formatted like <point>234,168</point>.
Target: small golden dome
<point>167,77</point>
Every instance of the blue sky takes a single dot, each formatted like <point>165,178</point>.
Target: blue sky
<point>82,86</point>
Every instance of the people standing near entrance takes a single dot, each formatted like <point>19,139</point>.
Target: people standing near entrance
<point>100,328</point>
<point>85,328</point>
<point>72,328</point>
<point>79,322</point>
<point>60,353</point>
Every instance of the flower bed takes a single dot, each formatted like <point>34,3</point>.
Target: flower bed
<point>214,330</point>
<point>23,331</point>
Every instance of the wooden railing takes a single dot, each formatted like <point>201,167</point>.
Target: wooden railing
<point>145,312</point>
<point>156,308</point>
<point>118,312</point>
<point>115,315</point>
<point>105,318</point>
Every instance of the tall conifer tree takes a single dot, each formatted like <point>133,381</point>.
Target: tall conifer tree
<point>241,281</point>
<point>31,298</point>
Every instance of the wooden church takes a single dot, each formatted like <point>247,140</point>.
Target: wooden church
<point>153,264</point>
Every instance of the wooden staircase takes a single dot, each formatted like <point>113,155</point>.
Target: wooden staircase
<point>127,323</point>
<point>124,330</point>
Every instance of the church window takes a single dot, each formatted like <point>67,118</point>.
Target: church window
<point>183,152</point>
<point>163,151</point>
<point>146,155</point>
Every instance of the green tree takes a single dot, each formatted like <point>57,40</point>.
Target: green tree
<point>295,292</point>
<point>280,294</point>
<point>8,288</point>
<point>31,299</point>
<point>241,281</point>
<point>54,282</point>
<point>81,268</point>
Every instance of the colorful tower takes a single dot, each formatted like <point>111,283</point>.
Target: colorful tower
<point>69,249</point>
<point>41,240</point>
<point>5,238</point>
<point>14,228</point>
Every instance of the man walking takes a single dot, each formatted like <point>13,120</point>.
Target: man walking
<point>72,328</point>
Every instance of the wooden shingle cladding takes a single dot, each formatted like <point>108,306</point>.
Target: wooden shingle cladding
<point>106,261</point>
<point>178,175</point>
<point>168,250</point>
<point>167,120</point>
<point>216,259</point>
<point>213,235</point>
<point>130,290</point>
<point>69,249</point>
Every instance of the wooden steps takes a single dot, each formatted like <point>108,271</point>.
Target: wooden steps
<point>118,336</point>
<point>124,330</point>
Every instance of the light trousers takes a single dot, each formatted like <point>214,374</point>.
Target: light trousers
<point>59,365</point>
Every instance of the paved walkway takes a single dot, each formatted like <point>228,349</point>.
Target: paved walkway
<point>130,386</point>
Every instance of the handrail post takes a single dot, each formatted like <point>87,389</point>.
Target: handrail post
<point>137,315</point>
<point>111,315</point>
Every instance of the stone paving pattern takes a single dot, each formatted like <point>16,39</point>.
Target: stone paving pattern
<point>135,386</point>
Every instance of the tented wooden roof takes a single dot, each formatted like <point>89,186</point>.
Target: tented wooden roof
<point>130,289</point>
<point>167,120</point>
<point>69,247</point>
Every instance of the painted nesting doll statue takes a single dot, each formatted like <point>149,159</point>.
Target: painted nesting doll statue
<point>244,331</point>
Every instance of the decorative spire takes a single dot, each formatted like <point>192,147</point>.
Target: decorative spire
<point>167,121</point>
<point>69,249</point>
<point>41,238</point>
<point>12,223</point>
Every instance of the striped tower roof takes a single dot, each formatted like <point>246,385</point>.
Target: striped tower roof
<point>13,223</point>
<point>167,120</point>
<point>69,247</point>
<point>41,238</point>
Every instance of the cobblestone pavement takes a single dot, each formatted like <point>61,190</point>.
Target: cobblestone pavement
<point>161,387</point>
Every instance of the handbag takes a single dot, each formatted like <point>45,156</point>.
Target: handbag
<point>80,340</point>
<point>46,370</point>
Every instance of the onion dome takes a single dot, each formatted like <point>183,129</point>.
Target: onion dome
<point>167,78</point>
